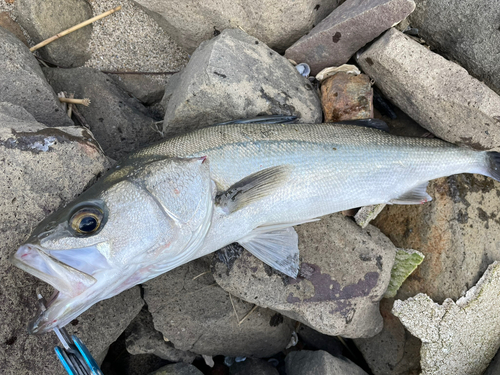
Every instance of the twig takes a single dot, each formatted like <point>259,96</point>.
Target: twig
<point>246,316</point>
<point>345,344</point>
<point>201,274</point>
<point>85,102</point>
<point>74,28</point>
<point>234,308</point>
<point>150,73</point>
<point>70,105</point>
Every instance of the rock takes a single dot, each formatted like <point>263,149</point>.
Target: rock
<point>145,88</point>
<point>438,94</point>
<point>463,32</point>
<point>306,362</point>
<point>348,28</point>
<point>236,76</point>
<point>366,214</point>
<point>24,84</point>
<point>318,341</point>
<point>195,314</point>
<point>42,169</point>
<point>9,24</point>
<point>43,19</point>
<point>393,351</point>
<point>457,337</point>
<point>335,295</point>
<point>276,23</point>
<point>253,366</point>
<point>177,369</point>
<point>142,338</point>
<point>119,122</point>
<point>346,97</point>
<point>494,367</point>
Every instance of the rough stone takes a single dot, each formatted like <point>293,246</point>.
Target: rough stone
<point>13,113</point>
<point>277,23</point>
<point>236,76</point>
<point>9,24</point>
<point>348,28</point>
<point>43,168</point>
<point>145,88</point>
<point>119,122</point>
<point>142,338</point>
<point>24,84</point>
<point>346,97</point>
<point>177,369</point>
<point>43,19</point>
<point>393,351</point>
<point>335,295</point>
<point>308,362</point>
<point>464,31</point>
<point>459,337</point>
<point>195,314</point>
<point>253,366</point>
<point>437,93</point>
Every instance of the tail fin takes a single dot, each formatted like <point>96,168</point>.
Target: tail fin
<point>494,165</point>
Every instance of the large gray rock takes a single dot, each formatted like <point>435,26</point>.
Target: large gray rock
<point>306,362</point>
<point>344,273</point>
<point>465,31</point>
<point>277,23</point>
<point>146,89</point>
<point>119,122</point>
<point>43,19</point>
<point>348,28</point>
<point>42,169</point>
<point>195,314</point>
<point>142,338</point>
<point>177,369</point>
<point>437,93</point>
<point>24,84</point>
<point>253,366</point>
<point>235,76</point>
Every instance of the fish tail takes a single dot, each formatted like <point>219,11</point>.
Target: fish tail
<point>493,170</point>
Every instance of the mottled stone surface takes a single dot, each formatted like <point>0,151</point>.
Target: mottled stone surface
<point>306,362</point>
<point>348,28</point>
<point>437,93</point>
<point>177,369</point>
<point>344,272</point>
<point>9,24</point>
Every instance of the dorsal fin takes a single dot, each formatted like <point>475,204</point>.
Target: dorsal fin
<point>374,123</point>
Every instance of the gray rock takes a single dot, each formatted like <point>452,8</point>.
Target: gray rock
<point>9,24</point>
<point>438,94</point>
<point>306,362</point>
<point>24,84</point>
<point>13,113</point>
<point>464,31</point>
<point>145,88</point>
<point>142,338</point>
<point>393,351</point>
<point>177,369</point>
<point>119,122</point>
<point>42,169</point>
<point>494,367</point>
<point>43,19</point>
<point>320,341</point>
<point>253,366</point>
<point>276,23</point>
<point>235,76</point>
<point>335,295</point>
<point>195,314</point>
<point>348,28</point>
<point>459,337</point>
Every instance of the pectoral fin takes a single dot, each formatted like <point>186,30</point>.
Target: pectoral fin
<point>252,188</point>
<point>417,195</point>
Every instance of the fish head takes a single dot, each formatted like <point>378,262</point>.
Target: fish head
<point>139,221</point>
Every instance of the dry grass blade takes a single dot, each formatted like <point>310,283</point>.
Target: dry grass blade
<point>201,274</point>
<point>247,315</point>
<point>234,308</point>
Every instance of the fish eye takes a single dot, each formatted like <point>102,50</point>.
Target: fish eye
<point>86,220</point>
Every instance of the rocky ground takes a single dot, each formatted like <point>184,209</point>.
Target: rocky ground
<point>395,290</point>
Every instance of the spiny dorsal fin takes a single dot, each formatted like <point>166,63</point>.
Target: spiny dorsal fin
<point>367,123</point>
<point>417,195</point>
<point>252,188</point>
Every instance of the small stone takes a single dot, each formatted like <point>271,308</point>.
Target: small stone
<point>177,369</point>
<point>459,337</point>
<point>366,214</point>
<point>44,19</point>
<point>119,122</point>
<point>276,23</point>
<point>347,97</point>
<point>348,28</point>
<point>439,94</point>
<point>197,315</point>
<point>307,362</point>
<point>24,84</point>
<point>231,77</point>
<point>335,295</point>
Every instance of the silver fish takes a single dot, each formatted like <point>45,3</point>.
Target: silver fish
<point>249,183</point>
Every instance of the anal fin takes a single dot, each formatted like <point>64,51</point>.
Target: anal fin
<point>417,195</point>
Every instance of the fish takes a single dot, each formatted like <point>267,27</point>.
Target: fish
<point>193,194</point>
